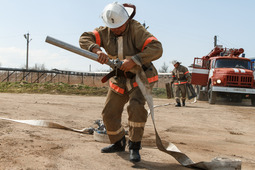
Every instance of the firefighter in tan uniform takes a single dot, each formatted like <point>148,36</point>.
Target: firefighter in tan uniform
<point>180,76</point>
<point>126,39</point>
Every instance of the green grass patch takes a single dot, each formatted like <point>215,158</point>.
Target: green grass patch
<point>51,88</point>
<point>159,92</point>
<point>62,88</point>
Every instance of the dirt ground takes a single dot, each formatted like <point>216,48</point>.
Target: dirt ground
<point>200,130</point>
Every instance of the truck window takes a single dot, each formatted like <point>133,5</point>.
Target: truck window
<point>213,63</point>
<point>233,63</point>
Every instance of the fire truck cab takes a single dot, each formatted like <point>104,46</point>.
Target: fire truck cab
<point>224,73</point>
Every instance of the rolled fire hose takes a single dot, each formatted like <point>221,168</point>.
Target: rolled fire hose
<point>183,159</point>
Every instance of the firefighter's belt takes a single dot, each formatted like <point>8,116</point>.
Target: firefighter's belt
<point>118,72</point>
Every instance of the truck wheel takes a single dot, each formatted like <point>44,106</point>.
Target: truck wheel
<point>211,95</point>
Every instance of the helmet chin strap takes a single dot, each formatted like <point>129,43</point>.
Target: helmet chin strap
<point>126,5</point>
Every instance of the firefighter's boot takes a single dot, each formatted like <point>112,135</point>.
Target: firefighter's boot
<point>178,104</point>
<point>183,102</point>
<point>134,148</point>
<point>118,146</point>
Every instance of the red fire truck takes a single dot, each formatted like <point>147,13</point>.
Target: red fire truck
<point>224,73</point>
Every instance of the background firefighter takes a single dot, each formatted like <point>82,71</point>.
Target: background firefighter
<point>126,39</point>
<point>180,76</point>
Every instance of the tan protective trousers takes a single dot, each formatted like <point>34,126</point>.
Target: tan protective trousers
<point>137,115</point>
<point>180,91</point>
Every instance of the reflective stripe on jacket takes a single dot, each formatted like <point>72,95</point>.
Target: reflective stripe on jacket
<point>121,90</point>
<point>184,82</point>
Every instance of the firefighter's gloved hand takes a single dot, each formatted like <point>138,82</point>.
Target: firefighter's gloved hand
<point>127,65</point>
<point>102,57</point>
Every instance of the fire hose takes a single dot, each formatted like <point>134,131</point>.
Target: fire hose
<point>216,164</point>
<point>182,158</point>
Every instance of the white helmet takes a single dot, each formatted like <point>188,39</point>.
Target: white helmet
<point>175,62</point>
<point>115,15</point>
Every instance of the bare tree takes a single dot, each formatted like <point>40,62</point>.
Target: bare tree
<point>163,68</point>
<point>146,27</point>
<point>38,67</point>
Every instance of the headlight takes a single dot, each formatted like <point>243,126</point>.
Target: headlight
<point>218,81</point>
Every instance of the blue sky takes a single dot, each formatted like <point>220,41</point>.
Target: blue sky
<point>185,27</point>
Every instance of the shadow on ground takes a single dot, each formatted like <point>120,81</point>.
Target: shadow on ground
<point>152,165</point>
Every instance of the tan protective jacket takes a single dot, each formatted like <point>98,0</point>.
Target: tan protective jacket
<point>180,75</point>
<point>136,43</point>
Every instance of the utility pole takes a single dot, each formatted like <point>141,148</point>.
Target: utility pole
<point>28,40</point>
<point>215,40</point>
